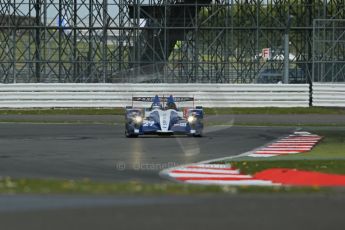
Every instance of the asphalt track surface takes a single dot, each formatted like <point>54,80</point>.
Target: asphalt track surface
<point>292,119</point>
<point>97,148</point>
<point>255,211</point>
<point>101,152</point>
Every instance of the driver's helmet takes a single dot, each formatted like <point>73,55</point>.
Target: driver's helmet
<point>156,104</point>
<point>171,103</point>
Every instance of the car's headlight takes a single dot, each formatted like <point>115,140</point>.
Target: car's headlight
<point>191,119</point>
<point>138,119</point>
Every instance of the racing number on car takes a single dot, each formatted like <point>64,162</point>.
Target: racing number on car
<point>164,122</point>
<point>148,123</point>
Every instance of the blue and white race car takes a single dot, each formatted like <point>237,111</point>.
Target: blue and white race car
<point>164,118</point>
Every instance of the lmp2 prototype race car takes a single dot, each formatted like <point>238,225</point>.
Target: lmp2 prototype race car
<point>163,117</point>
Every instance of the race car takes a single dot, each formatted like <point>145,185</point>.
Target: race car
<point>163,117</point>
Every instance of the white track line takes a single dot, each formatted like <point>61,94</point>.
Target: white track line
<point>285,149</point>
<point>234,183</point>
<point>263,155</point>
<point>197,175</point>
<point>232,171</point>
<point>210,166</point>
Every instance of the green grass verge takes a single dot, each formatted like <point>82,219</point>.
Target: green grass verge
<point>59,122</point>
<point>304,125</point>
<point>328,156</point>
<point>326,166</point>
<point>331,147</point>
<point>58,111</point>
<point>274,110</point>
<point>44,186</point>
<point>208,111</point>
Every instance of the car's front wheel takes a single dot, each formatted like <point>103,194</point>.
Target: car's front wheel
<point>197,135</point>
<point>130,135</point>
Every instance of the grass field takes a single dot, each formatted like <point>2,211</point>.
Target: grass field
<point>328,156</point>
<point>45,186</point>
<point>331,147</point>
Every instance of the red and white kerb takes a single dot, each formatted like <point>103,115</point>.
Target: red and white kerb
<point>298,142</point>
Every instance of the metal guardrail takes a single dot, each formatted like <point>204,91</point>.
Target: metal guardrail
<point>330,95</point>
<point>119,95</point>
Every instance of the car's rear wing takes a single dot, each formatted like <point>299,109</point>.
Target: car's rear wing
<point>162,99</point>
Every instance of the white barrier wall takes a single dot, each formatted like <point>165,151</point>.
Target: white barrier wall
<point>119,95</point>
<point>329,94</point>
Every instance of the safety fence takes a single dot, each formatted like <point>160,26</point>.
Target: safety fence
<point>119,95</point>
<point>330,95</point>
